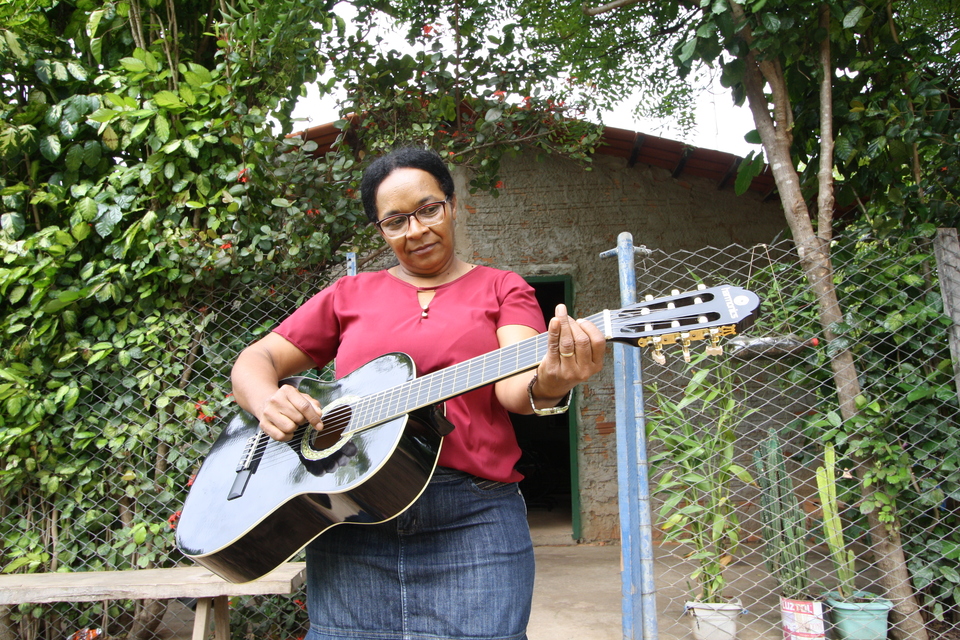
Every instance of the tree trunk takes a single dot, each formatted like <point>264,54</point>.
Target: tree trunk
<point>814,253</point>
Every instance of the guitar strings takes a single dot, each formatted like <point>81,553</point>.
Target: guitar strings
<point>376,409</point>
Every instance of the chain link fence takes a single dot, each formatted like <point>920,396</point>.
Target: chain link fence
<point>716,454</point>
<point>736,444</point>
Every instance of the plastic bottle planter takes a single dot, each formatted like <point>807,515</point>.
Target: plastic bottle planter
<point>802,619</point>
<point>714,620</point>
<point>863,619</point>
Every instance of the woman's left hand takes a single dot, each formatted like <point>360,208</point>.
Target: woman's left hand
<point>575,351</point>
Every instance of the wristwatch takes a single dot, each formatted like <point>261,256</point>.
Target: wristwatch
<point>549,411</point>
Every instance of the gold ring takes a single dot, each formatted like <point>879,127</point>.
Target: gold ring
<point>567,355</point>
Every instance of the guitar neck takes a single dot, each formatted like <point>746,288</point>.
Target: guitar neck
<point>432,388</point>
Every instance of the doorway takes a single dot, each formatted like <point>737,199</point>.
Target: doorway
<point>549,460</point>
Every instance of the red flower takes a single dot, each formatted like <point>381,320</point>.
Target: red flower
<point>174,517</point>
<point>202,415</point>
<point>226,245</point>
<point>499,185</point>
<point>427,30</point>
<point>190,481</point>
<point>244,175</point>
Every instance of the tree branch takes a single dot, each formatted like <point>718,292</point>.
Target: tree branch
<point>606,8</point>
<point>825,195</point>
<point>136,25</point>
<point>171,43</point>
<point>915,160</point>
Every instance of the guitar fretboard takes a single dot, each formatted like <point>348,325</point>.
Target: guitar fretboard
<point>429,389</point>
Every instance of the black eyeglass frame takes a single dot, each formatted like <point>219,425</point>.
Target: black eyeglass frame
<point>413,214</point>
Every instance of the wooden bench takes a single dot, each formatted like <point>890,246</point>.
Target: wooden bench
<point>211,591</point>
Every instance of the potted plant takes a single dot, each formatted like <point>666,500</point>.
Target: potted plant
<point>784,531</point>
<point>695,436</point>
<point>856,615</point>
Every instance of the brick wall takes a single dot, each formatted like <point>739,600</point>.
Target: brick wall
<point>553,217</point>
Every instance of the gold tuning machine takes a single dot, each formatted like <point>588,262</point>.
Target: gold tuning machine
<point>685,345</point>
<point>714,348</point>
<point>657,353</point>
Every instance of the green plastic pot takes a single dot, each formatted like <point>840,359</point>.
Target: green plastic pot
<point>865,618</point>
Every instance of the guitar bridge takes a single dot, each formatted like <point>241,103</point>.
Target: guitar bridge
<point>249,450</point>
<point>247,466</point>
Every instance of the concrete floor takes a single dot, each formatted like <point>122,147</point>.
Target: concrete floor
<point>577,594</point>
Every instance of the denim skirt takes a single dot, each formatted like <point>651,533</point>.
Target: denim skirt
<point>457,565</point>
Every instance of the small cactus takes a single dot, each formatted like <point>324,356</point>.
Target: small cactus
<point>843,558</point>
<point>784,524</point>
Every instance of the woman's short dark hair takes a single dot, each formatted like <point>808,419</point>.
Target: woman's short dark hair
<point>403,158</point>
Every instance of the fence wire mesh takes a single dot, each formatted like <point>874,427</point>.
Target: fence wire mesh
<point>905,445</point>
<point>737,507</point>
<point>141,450</point>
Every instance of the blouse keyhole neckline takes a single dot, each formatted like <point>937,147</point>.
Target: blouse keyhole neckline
<point>424,298</point>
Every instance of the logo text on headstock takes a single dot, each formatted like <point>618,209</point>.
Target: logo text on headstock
<point>731,307</point>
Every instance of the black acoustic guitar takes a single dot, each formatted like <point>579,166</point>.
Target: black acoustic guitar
<point>256,502</point>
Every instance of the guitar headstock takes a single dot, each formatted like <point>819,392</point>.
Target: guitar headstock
<point>707,314</point>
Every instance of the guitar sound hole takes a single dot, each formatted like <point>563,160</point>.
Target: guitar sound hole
<point>326,439</point>
<point>335,421</point>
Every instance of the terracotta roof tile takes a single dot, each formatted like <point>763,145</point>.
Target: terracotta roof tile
<point>637,148</point>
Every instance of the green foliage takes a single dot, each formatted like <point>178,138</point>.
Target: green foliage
<point>470,95</point>
<point>150,213</point>
<point>696,438</point>
<point>906,422</point>
<point>892,87</point>
<point>140,173</point>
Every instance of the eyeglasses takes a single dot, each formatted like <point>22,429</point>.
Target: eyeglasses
<point>428,215</point>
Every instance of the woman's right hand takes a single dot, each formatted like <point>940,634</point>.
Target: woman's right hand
<point>286,410</point>
<point>256,375</point>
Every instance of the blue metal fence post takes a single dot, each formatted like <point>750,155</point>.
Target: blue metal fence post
<point>351,263</point>
<point>636,531</point>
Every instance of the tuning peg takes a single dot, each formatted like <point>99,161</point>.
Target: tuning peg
<point>657,353</point>
<point>713,347</point>
<point>685,344</point>
<point>714,350</point>
<point>648,297</point>
<point>701,287</point>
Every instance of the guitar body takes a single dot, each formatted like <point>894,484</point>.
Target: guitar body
<point>242,525</point>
